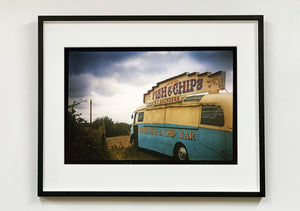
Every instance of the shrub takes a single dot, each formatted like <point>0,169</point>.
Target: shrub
<point>84,142</point>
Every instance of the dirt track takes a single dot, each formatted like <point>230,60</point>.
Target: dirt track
<point>118,141</point>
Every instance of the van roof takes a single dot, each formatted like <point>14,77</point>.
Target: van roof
<point>223,99</point>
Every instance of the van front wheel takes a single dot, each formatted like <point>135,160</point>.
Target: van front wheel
<point>181,153</point>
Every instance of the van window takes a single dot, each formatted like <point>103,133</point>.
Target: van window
<point>212,115</point>
<point>136,117</point>
<point>141,116</point>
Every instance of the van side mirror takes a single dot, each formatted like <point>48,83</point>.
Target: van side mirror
<point>131,116</point>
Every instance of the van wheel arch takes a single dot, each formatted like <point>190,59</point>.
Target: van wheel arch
<point>180,152</point>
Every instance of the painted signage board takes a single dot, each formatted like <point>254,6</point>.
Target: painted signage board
<point>173,89</point>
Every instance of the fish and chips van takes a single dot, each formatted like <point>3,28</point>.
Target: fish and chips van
<point>187,117</point>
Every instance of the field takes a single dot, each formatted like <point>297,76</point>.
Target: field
<point>119,148</point>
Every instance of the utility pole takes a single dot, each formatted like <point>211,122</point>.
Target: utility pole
<point>90,110</point>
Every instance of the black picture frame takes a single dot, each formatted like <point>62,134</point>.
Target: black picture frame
<point>221,18</point>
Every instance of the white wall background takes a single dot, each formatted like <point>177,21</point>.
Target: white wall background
<point>18,107</point>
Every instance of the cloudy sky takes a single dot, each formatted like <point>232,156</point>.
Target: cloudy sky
<point>117,80</point>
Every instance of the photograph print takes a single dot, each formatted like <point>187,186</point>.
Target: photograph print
<point>151,105</point>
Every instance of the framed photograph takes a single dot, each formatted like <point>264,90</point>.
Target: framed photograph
<point>151,106</point>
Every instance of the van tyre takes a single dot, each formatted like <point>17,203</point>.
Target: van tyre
<point>181,153</point>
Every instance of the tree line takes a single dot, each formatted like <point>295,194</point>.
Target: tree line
<point>87,141</point>
<point>112,128</point>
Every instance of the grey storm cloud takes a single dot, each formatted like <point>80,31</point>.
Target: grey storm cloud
<point>83,84</point>
<point>94,62</point>
<point>129,67</point>
<point>220,60</point>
